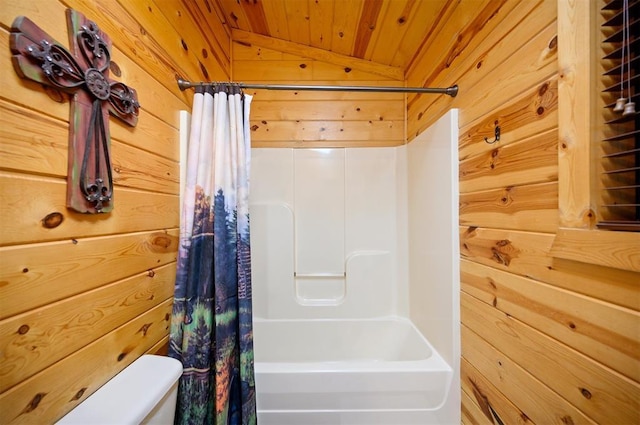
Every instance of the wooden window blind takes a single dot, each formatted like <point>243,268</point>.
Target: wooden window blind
<point>619,155</point>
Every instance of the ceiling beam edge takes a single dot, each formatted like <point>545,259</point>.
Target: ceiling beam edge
<point>245,37</point>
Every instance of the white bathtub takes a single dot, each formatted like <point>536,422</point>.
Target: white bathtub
<point>348,372</point>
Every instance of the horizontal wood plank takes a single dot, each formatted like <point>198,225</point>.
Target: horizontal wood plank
<point>472,413</point>
<point>210,21</point>
<point>339,60</point>
<point>528,254</point>
<point>35,143</point>
<point>348,110</point>
<point>539,403</point>
<point>195,31</point>
<point>158,51</point>
<point>604,395</point>
<point>34,210</point>
<point>494,404</point>
<point>612,249</point>
<point>324,95</point>
<point>305,131</point>
<point>154,97</point>
<point>151,133</point>
<point>161,348</point>
<point>303,70</point>
<point>533,160</point>
<point>248,52</point>
<point>602,331</point>
<point>456,21</point>
<point>531,207</point>
<point>49,395</point>
<point>532,113</point>
<point>38,274</point>
<point>85,295</point>
<point>325,144</point>
<point>33,341</point>
<point>505,49</point>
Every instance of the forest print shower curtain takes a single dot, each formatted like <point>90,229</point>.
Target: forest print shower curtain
<point>211,328</point>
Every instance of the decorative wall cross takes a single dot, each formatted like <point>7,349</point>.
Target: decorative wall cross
<point>84,72</point>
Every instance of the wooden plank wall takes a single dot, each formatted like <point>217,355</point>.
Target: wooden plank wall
<point>544,340</point>
<point>316,118</point>
<point>81,301</point>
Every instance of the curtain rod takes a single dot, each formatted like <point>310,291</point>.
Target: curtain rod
<point>451,91</point>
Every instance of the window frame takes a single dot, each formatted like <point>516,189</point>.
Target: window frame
<point>578,238</point>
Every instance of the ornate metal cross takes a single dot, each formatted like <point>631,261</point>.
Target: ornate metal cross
<point>83,72</point>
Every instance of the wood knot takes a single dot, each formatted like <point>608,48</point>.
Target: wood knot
<point>145,328</point>
<point>543,89</point>
<point>503,252</point>
<point>254,127</point>
<point>553,43</point>
<point>184,44</point>
<point>23,329</point>
<point>586,393</point>
<point>402,20</point>
<point>205,54</point>
<point>162,241</point>
<point>303,65</point>
<point>347,70</point>
<point>204,71</point>
<point>492,283</point>
<point>79,394</point>
<point>33,404</point>
<point>53,220</point>
<point>471,230</point>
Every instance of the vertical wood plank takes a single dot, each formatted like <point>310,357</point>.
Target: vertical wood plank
<point>576,39</point>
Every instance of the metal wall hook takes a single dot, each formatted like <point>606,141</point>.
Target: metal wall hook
<point>497,134</point>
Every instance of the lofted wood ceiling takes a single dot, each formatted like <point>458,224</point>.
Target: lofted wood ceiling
<point>388,32</point>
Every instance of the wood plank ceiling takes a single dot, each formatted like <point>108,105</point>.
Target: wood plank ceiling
<point>388,32</point>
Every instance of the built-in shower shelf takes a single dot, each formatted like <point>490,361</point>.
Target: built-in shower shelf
<point>321,275</point>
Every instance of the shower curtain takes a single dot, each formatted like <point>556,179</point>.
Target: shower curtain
<point>211,327</point>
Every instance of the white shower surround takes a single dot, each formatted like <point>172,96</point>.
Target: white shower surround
<point>348,244</point>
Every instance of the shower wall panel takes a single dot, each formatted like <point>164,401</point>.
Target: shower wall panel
<point>324,232</point>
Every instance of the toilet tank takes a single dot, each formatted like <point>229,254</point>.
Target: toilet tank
<point>143,393</point>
